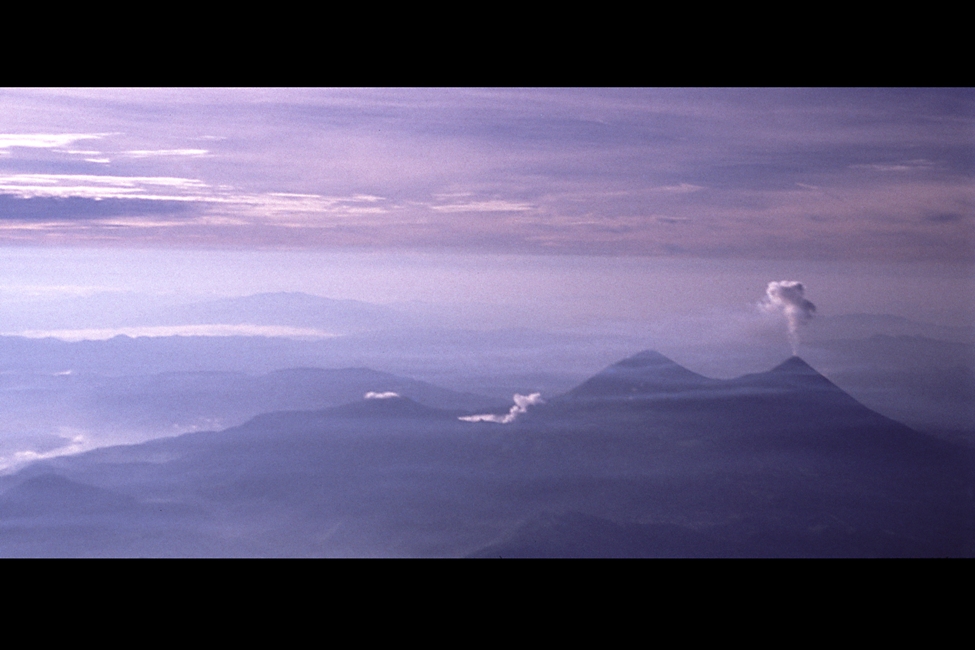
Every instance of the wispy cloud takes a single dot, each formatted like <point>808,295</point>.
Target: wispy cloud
<point>827,173</point>
<point>74,197</point>
<point>102,187</point>
<point>147,153</point>
<point>77,443</point>
<point>484,206</point>
<point>682,188</point>
<point>45,140</point>
<point>905,166</point>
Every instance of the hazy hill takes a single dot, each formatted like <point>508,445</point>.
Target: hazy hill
<point>926,383</point>
<point>44,412</point>
<point>120,309</point>
<point>780,463</point>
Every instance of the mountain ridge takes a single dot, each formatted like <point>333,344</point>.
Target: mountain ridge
<point>758,466</point>
<point>649,374</point>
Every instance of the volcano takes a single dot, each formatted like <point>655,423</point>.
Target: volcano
<point>644,459</point>
<point>645,374</point>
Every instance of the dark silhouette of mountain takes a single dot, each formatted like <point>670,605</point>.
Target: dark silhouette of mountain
<point>53,495</point>
<point>646,373</point>
<point>788,446</point>
<point>364,414</point>
<point>925,383</point>
<point>646,459</point>
<point>389,407</point>
<point>577,535</point>
<point>148,406</point>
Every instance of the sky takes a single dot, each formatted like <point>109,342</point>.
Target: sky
<point>630,203</point>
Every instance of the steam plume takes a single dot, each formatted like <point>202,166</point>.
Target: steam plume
<point>522,402</point>
<point>786,297</point>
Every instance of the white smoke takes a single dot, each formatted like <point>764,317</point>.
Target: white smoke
<point>786,298</point>
<point>386,395</point>
<point>522,402</point>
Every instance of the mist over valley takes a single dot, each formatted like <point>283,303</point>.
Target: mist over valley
<point>479,322</point>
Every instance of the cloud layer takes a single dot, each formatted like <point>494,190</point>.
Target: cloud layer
<point>813,174</point>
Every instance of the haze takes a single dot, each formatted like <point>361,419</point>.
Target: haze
<point>491,242</point>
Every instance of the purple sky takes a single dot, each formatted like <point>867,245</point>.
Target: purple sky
<point>811,174</point>
<point>736,184</point>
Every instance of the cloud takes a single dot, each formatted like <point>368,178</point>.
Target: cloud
<point>146,153</point>
<point>44,140</point>
<point>787,298</point>
<point>740,164</point>
<point>46,447</point>
<point>522,402</point>
<point>904,166</point>
<point>39,197</point>
<point>387,395</point>
<point>484,206</point>
<point>103,187</point>
<point>683,188</point>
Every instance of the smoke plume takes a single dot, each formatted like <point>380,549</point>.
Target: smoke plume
<point>374,395</point>
<point>786,298</point>
<point>522,402</point>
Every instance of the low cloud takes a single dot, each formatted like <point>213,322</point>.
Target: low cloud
<point>522,402</point>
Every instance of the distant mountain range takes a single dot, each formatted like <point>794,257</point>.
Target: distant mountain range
<point>918,373</point>
<point>118,309</point>
<point>44,412</point>
<point>644,459</point>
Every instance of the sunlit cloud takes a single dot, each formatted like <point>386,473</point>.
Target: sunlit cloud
<point>136,197</point>
<point>905,166</point>
<point>98,186</point>
<point>484,206</point>
<point>683,188</point>
<point>822,173</point>
<point>146,153</point>
<point>386,395</point>
<point>45,140</point>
